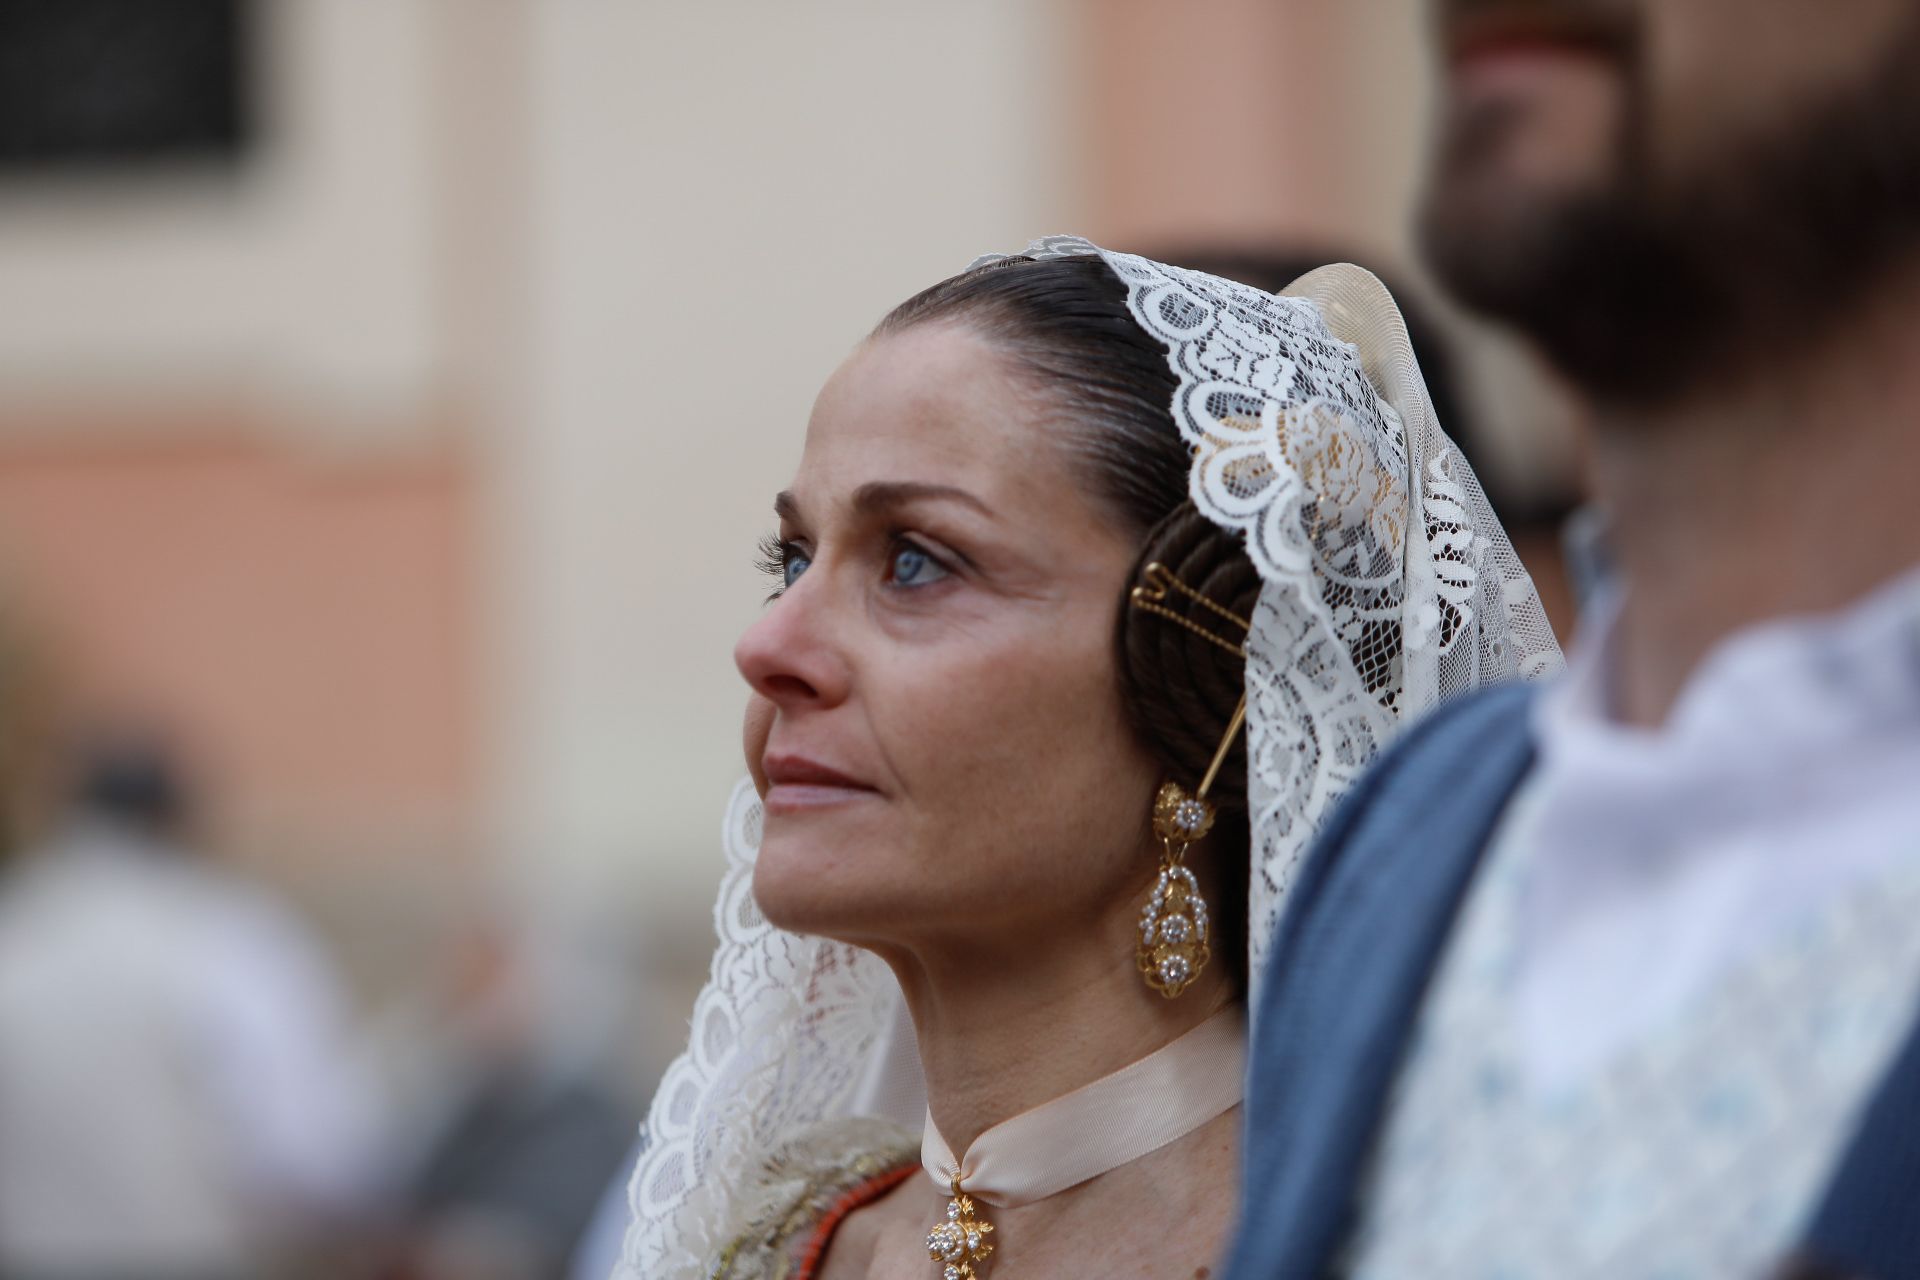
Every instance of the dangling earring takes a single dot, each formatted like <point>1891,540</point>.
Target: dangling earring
<point>1174,927</point>
<point>1175,931</point>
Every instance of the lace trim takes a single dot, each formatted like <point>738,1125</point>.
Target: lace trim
<point>780,1039</point>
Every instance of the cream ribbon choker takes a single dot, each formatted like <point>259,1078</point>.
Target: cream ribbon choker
<point>1097,1128</point>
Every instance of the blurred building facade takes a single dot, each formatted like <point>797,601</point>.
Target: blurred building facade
<point>409,465</point>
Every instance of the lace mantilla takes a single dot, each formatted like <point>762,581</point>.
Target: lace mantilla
<point>1388,582</point>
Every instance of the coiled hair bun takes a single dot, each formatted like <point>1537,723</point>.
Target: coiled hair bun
<point>1182,687</point>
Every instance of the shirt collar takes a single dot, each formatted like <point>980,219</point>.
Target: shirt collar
<point>1802,678</point>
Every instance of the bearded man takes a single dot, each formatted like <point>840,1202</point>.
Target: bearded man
<point>1621,979</point>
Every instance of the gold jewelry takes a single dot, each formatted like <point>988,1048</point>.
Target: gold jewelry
<point>1151,595</point>
<point>1174,929</point>
<point>960,1241</point>
<point>1174,925</point>
<point>1064,1142</point>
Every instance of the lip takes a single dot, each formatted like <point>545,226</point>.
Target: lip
<point>797,782</point>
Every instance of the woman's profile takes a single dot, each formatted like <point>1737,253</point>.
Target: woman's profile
<point>1097,584</point>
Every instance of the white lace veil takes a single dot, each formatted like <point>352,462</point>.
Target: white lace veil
<point>1386,585</point>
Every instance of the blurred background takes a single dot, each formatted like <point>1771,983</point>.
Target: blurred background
<point>391,396</point>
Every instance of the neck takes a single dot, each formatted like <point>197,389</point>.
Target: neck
<point>1789,491</point>
<point>1005,1027</point>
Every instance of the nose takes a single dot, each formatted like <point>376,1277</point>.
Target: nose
<point>790,656</point>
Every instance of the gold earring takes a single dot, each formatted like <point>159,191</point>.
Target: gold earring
<point>1175,931</point>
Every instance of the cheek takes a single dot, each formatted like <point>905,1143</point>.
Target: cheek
<point>1523,139</point>
<point>1719,79</point>
<point>1560,121</point>
<point>1024,763</point>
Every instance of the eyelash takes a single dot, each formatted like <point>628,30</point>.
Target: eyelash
<point>771,559</point>
<point>773,552</point>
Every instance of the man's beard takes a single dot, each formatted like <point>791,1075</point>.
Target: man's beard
<point>1641,292</point>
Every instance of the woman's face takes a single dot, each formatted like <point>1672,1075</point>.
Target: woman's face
<point>936,725</point>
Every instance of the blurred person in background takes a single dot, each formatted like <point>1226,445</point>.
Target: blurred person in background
<point>597,1252</point>
<point>515,1123</point>
<point>179,1095</point>
<point>1636,994</point>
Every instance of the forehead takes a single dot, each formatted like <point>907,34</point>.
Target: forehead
<point>933,404</point>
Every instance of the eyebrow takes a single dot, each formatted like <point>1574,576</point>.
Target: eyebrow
<point>884,495</point>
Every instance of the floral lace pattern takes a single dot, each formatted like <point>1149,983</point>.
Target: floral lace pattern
<point>1388,583</point>
<point>1696,1151</point>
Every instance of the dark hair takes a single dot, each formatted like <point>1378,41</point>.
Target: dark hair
<point>1108,393</point>
<point>1065,324</point>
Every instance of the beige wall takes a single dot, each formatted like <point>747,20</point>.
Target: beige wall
<point>1253,122</point>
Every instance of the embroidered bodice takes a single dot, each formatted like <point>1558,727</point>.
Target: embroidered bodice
<point>785,1217</point>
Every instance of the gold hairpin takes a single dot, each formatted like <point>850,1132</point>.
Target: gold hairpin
<point>1152,595</point>
<point>1226,745</point>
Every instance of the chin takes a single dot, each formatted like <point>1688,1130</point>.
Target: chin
<point>1498,232</point>
<point>817,882</point>
<point>1486,201</point>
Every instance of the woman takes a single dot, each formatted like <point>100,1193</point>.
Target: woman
<point>1061,526</point>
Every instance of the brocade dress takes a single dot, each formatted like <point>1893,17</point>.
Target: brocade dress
<point>786,1217</point>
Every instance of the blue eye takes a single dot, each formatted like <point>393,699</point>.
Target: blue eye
<point>782,561</point>
<point>913,567</point>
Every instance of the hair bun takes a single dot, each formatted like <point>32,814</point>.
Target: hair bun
<point>1181,687</point>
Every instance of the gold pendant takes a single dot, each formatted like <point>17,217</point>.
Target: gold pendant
<point>1174,927</point>
<point>961,1241</point>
